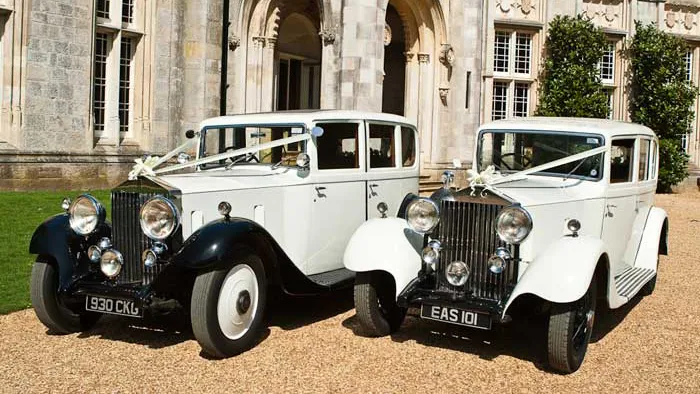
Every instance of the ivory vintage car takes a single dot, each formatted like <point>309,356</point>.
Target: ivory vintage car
<point>559,214</point>
<point>271,200</point>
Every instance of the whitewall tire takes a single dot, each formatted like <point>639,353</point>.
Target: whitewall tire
<point>228,305</point>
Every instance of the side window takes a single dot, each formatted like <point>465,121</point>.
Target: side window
<point>652,162</point>
<point>408,147</point>
<point>644,150</point>
<point>382,147</point>
<point>622,161</point>
<point>338,146</point>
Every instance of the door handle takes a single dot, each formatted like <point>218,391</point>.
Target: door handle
<point>372,193</point>
<point>609,213</point>
<point>320,191</point>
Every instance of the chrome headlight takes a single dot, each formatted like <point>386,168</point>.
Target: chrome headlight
<point>422,215</point>
<point>85,214</point>
<point>513,224</point>
<point>159,218</point>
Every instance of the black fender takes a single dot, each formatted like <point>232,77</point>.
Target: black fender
<point>217,243</point>
<point>55,238</point>
<point>404,205</point>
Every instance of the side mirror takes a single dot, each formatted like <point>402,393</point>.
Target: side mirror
<point>190,134</point>
<point>317,131</point>
<point>303,161</point>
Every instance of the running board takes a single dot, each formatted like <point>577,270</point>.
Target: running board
<point>630,281</point>
<point>334,279</point>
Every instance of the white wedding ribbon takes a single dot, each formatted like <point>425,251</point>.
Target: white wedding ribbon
<point>237,152</point>
<point>490,177</point>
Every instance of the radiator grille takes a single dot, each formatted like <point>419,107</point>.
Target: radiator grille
<point>128,238</point>
<point>467,231</point>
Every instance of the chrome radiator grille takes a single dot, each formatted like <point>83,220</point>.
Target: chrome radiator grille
<point>128,238</point>
<point>467,231</point>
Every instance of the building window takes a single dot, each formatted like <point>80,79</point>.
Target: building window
<point>500,101</point>
<point>100,80</point>
<point>128,11</point>
<point>512,74</point>
<point>523,49</point>
<point>689,65</point>
<point>607,65</point>
<point>607,76</point>
<point>610,94</point>
<point>125,84</point>
<point>501,52</point>
<point>114,63</point>
<point>520,99</point>
<point>102,10</point>
<point>684,142</point>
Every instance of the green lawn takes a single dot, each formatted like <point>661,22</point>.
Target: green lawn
<point>20,214</point>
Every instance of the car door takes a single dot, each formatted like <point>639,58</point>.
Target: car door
<point>621,200</point>
<point>337,193</point>
<point>646,187</point>
<point>392,168</point>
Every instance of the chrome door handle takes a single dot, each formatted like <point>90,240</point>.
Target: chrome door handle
<point>320,188</point>
<point>371,190</point>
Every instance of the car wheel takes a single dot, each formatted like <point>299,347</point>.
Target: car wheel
<point>375,304</point>
<point>44,295</point>
<point>570,329</point>
<point>650,286</point>
<point>228,305</point>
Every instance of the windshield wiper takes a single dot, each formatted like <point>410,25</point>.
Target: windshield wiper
<point>580,163</point>
<point>279,163</point>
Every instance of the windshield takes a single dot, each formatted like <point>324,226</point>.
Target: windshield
<point>515,151</point>
<point>215,140</point>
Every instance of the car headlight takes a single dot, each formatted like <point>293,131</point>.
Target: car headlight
<point>513,224</point>
<point>159,218</point>
<point>422,215</point>
<point>85,213</point>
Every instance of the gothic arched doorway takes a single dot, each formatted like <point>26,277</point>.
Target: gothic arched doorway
<point>415,34</point>
<point>394,90</point>
<point>298,64</point>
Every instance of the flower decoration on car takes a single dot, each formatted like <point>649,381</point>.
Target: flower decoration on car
<point>144,166</point>
<point>483,178</point>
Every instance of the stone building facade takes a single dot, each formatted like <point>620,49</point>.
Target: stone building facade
<point>90,85</point>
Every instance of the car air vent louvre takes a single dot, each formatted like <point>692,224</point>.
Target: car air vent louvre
<point>467,231</point>
<point>128,238</point>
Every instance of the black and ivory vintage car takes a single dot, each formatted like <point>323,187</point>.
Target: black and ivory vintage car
<point>559,212</point>
<point>271,200</point>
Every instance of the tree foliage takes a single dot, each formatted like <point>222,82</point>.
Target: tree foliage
<point>661,98</point>
<point>570,80</point>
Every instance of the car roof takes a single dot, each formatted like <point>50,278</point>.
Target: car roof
<point>605,127</point>
<point>301,117</point>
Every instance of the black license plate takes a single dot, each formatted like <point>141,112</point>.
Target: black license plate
<point>113,306</point>
<point>456,316</point>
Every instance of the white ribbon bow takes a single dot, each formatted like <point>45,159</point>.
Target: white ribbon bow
<point>144,167</point>
<point>483,178</point>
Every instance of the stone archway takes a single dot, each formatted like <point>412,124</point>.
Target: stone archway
<point>281,35</point>
<point>426,72</point>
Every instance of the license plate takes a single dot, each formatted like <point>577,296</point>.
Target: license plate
<point>456,316</point>
<point>113,306</point>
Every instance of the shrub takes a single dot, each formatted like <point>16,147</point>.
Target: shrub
<point>661,98</point>
<point>570,79</point>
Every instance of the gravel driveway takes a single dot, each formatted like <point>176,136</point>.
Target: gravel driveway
<point>652,345</point>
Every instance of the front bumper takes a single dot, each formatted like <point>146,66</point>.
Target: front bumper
<point>422,291</point>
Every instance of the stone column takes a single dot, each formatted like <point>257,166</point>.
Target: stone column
<point>411,90</point>
<point>267,74</point>
<point>425,113</point>
<point>253,75</point>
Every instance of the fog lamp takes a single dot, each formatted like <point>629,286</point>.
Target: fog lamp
<point>111,263</point>
<point>105,243</point>
<point>498,262</point>
<point>430,255</point>
<point>457,273</point>
<point>159,248</point>
<point>94,253</point>
<point>149,258</point>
